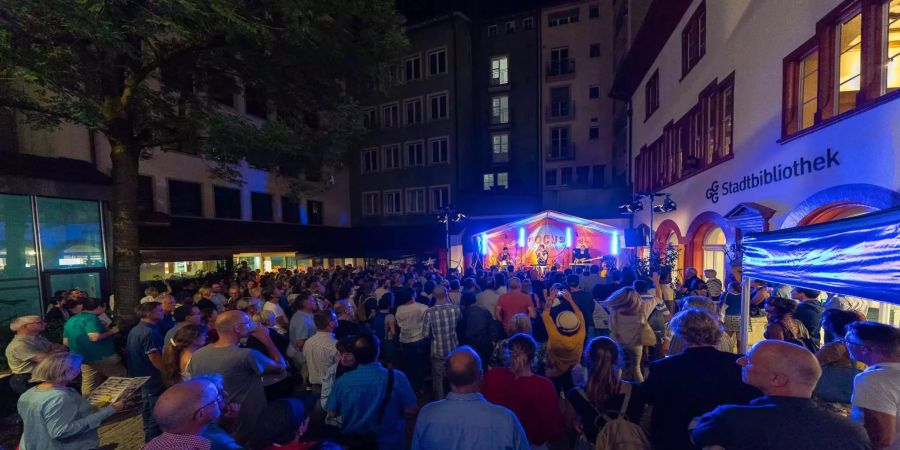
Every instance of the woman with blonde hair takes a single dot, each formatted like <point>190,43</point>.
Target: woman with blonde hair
<point>606,393</point>
<point>519,323</point>
<point>628,327</point>
<point>178,351</point>
<point>55,416</point>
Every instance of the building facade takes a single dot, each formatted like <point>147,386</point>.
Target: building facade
<point>762,115</point>
<point>407,168</point>
<point>576,63</point>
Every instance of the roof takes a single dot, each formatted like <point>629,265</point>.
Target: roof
<point>233,236</point>
<point>554,215</point>
<point>660,22</point>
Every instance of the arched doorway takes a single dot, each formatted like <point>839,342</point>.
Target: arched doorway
<point>713,252</point>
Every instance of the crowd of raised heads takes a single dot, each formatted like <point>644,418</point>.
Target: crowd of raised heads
<point>397,357</point>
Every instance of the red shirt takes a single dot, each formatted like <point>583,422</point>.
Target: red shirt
<point>533,399</point>
<point>512,303</point>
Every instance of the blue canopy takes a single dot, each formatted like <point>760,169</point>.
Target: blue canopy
<point>859,256</point>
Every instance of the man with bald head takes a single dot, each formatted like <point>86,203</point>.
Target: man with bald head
<point>465,420</point>
<point>182,412</point>
<point>241,368</point>
<point>785,417</point>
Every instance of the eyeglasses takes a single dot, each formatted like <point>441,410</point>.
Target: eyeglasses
<point>219,399</point>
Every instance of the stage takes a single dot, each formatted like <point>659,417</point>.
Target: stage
<point>562,236</point>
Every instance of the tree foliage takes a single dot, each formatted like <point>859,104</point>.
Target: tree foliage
<point>147,75</point>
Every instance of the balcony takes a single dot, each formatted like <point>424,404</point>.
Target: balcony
<point>560,69</point>
<point>561,152</point>
<point>560,111</point>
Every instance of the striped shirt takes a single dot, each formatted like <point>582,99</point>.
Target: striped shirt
<point>169,441</point>
<point>440,325</point>
<point>320,352</point>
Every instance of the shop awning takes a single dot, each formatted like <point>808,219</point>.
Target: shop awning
<point>859,256</point>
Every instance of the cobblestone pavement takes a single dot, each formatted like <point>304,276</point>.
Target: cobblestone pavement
<point>123,431</point>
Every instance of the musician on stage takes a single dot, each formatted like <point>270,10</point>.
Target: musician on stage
<point>503,259</point>
<point>581,255</point>
<point>543,256</point>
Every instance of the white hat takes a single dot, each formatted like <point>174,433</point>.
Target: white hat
<point>567,322</point>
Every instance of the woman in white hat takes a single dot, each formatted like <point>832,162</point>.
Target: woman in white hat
<point>565,342</point>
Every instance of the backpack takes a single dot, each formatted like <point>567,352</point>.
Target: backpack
<point>620,433</point>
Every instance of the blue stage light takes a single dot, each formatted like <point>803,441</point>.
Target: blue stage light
<point>568,236</point>
<point>521,237</point>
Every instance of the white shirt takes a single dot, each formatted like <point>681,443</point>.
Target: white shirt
<point>320,352</point>
<point>409,319</point>
<point>847,303</point>
<point>487,299</point>
<point>878,389</point>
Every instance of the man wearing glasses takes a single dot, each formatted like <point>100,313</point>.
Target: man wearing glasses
<point>26,350</point>
<point>876,391</point>
<point>183,412</point>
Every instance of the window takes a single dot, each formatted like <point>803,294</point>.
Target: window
<point>255,102</point>
<point>562,17</point>
<point>594,92</point>
<point>370,203</point>
<point>559,143</point>
<point>500,109</point>
<point>550,177</point>
<point>566,176</point>
<point>593,12</point>
<point>145,195</point>
<point>693,40</point>
<point>412,111</point>
<point>315,212</point>
<point>437,62</point>
<point>499,70</point>
<point>261,206</point>
<point>370,119</point>
<point>290,210</point>
<point>528,23</point>
<point>440,150</point>
<point>594,132</point>
<point>892,47</point>
<point>440,197</point>
<point>581,175</point>
<point>560,104</point>
<point>849,62</point>
<point>494,181</point>
<point>560,63</point>
<point>492,30</point>
<point>393,202</point>
<point>370,160</point>
<point>438,106</point>
<point>390,116</point>
<point>510,27</point>
<point>415,200</point>
<point>595,51</point>
<point>598,176</point>
<point>415,154</point>
<point>651,95</point>
<point>70,232</point>
<point>808,90</point>
<point>412,68</point>
<point>500,148</point>
<point>488,181</point>
<point>392,159</point>
<point>227,202</point>
<point>185,199</point>
<point>503,180</point>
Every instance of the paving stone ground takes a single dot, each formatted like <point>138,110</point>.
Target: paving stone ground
<point>123,431</point>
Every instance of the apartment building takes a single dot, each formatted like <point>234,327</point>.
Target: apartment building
<point>576,61</point>
<point>762,115</point>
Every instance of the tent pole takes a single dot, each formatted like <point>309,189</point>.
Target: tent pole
<point>745,314</point>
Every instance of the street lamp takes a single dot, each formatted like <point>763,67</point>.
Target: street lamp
<point>445,215</point>
<point>637,204</point>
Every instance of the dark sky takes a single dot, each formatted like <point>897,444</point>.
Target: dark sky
<point>420,9</point>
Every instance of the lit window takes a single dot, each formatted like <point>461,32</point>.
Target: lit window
<point>499,70</point>
<point>488,181</point>
<point>503,180</point>
<point>500,110</point>
<point>892,47</point>
<point>849,62</point>
<point>809,88</point>
<point>500,148</point>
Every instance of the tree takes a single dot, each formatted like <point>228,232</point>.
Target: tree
<point>146,75</point>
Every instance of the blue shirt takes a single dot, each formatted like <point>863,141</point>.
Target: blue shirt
<point>143,340</point>
<point>59,419</point>
<point>357,397</point>
<point>467,421</point>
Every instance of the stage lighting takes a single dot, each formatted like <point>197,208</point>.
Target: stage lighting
<point>668,205</point>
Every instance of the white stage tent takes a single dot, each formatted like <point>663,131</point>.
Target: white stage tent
<point>859,257</point>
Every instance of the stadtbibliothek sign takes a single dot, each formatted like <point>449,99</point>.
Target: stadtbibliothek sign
<point>775,174</point>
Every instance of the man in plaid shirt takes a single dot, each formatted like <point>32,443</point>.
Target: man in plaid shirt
<point>439,324</point>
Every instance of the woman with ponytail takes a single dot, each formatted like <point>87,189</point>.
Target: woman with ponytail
<point>178,351</point>
<point>604,393</point>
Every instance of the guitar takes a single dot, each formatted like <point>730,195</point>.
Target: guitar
<point>585,260</point>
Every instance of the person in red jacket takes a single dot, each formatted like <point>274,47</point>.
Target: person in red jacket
<point>530,396</point>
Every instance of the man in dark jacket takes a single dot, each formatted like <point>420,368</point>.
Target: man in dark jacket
<point>809,311</point>
<point>692,383</point>
<point>476,328</point>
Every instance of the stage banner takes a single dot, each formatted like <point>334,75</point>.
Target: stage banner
<point>550,233</point>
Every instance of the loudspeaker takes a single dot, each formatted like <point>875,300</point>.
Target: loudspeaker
<point>634,237</point>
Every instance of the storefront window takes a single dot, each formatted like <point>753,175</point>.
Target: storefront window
<point>19,292</point>
<point>70,233</point>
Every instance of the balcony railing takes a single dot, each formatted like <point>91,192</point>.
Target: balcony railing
<point>557,111</point>
<point>559,67</point>
<point>561,152</point>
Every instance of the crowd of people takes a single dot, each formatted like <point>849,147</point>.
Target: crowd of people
<point>396,356</point>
